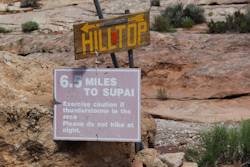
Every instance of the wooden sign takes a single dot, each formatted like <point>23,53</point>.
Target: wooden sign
<point>111,35</point>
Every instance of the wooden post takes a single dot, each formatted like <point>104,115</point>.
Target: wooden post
<point>100,15</point>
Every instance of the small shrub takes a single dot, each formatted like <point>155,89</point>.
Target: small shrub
<point>245,140</point>
<point>192,155</point>
<point>195,12</point>
<point>155,3</point>
<point>4,30</point>
<point>162,94</point>
<point>187,22</point>
<point>174,14</point>
<point>210,14</point>
<point>223,145</point>
<point>30,26</point>
<point>248,15</point>
<point>238,22</point>
<point>7,9</point>
<point>29,3</point>
<point>162,24</point>
<point>215,144</point>
<point>217,27</point>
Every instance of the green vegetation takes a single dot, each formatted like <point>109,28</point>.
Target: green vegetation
<point>174,14</point>
<point>195,12</point>
<point>237,22</point>
<point>162,94</point>
<point>245,141</point>
<point>217,27</point>
<point>29,3</point>
<point>162,24</point>
<point>223,145</point>
<point>210,14</point>
<point>187,22</point>
<point>4,30</point>
<point>177,16</point>
<point>30,26</point>
<point>155,3</point>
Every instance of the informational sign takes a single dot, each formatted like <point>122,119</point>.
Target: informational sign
<point>97,105</point>
<point>111,35</point>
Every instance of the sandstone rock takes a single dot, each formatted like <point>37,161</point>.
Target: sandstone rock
<point>237,164</point>
<point>150,158</point>
<point>189,164</point>
<point>173,159</point>
<point>148,130</point>
<point>204,81</point>
<point>169,63</point>
<point>212,110</point>
<point>36,122</point>
<point>26,109</point>
<point>27,139</point>
<point>206,78</point>
<point>158,163</point>
<point>137,163</point>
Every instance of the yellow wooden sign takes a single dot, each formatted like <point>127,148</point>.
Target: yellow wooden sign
<point>111,35</point>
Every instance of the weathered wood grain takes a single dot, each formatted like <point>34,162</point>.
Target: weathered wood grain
<point>111,35</point>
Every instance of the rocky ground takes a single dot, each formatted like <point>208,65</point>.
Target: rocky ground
<point>206,80</point>
<point>176,136</point>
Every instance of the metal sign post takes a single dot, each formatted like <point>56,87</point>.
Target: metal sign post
<point>118,34</point>
<point>130,52</point>
<point>100,15</point>
<point>138,146</point>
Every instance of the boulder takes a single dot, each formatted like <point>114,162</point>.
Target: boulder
<point>150,158</point>
<point>173,159</point>
<point>137,163</point>
<point>189,164</point>
<point>148,130</point>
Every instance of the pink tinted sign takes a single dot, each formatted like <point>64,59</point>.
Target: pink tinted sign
<point>97,105</point>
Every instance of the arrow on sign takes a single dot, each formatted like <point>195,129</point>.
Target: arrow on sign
<point>86,27</point>
<point>138,18</point>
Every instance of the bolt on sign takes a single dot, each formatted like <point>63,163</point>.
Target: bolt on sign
<point>97,105</point>
<point>112,35</point>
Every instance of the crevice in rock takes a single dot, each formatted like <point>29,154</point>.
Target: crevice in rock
<point>232,96</point>
<point>158,116</point>
<point>24,54</point>
<point>226,97</point>
<point>213,4</point>
<point>233,3</point>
